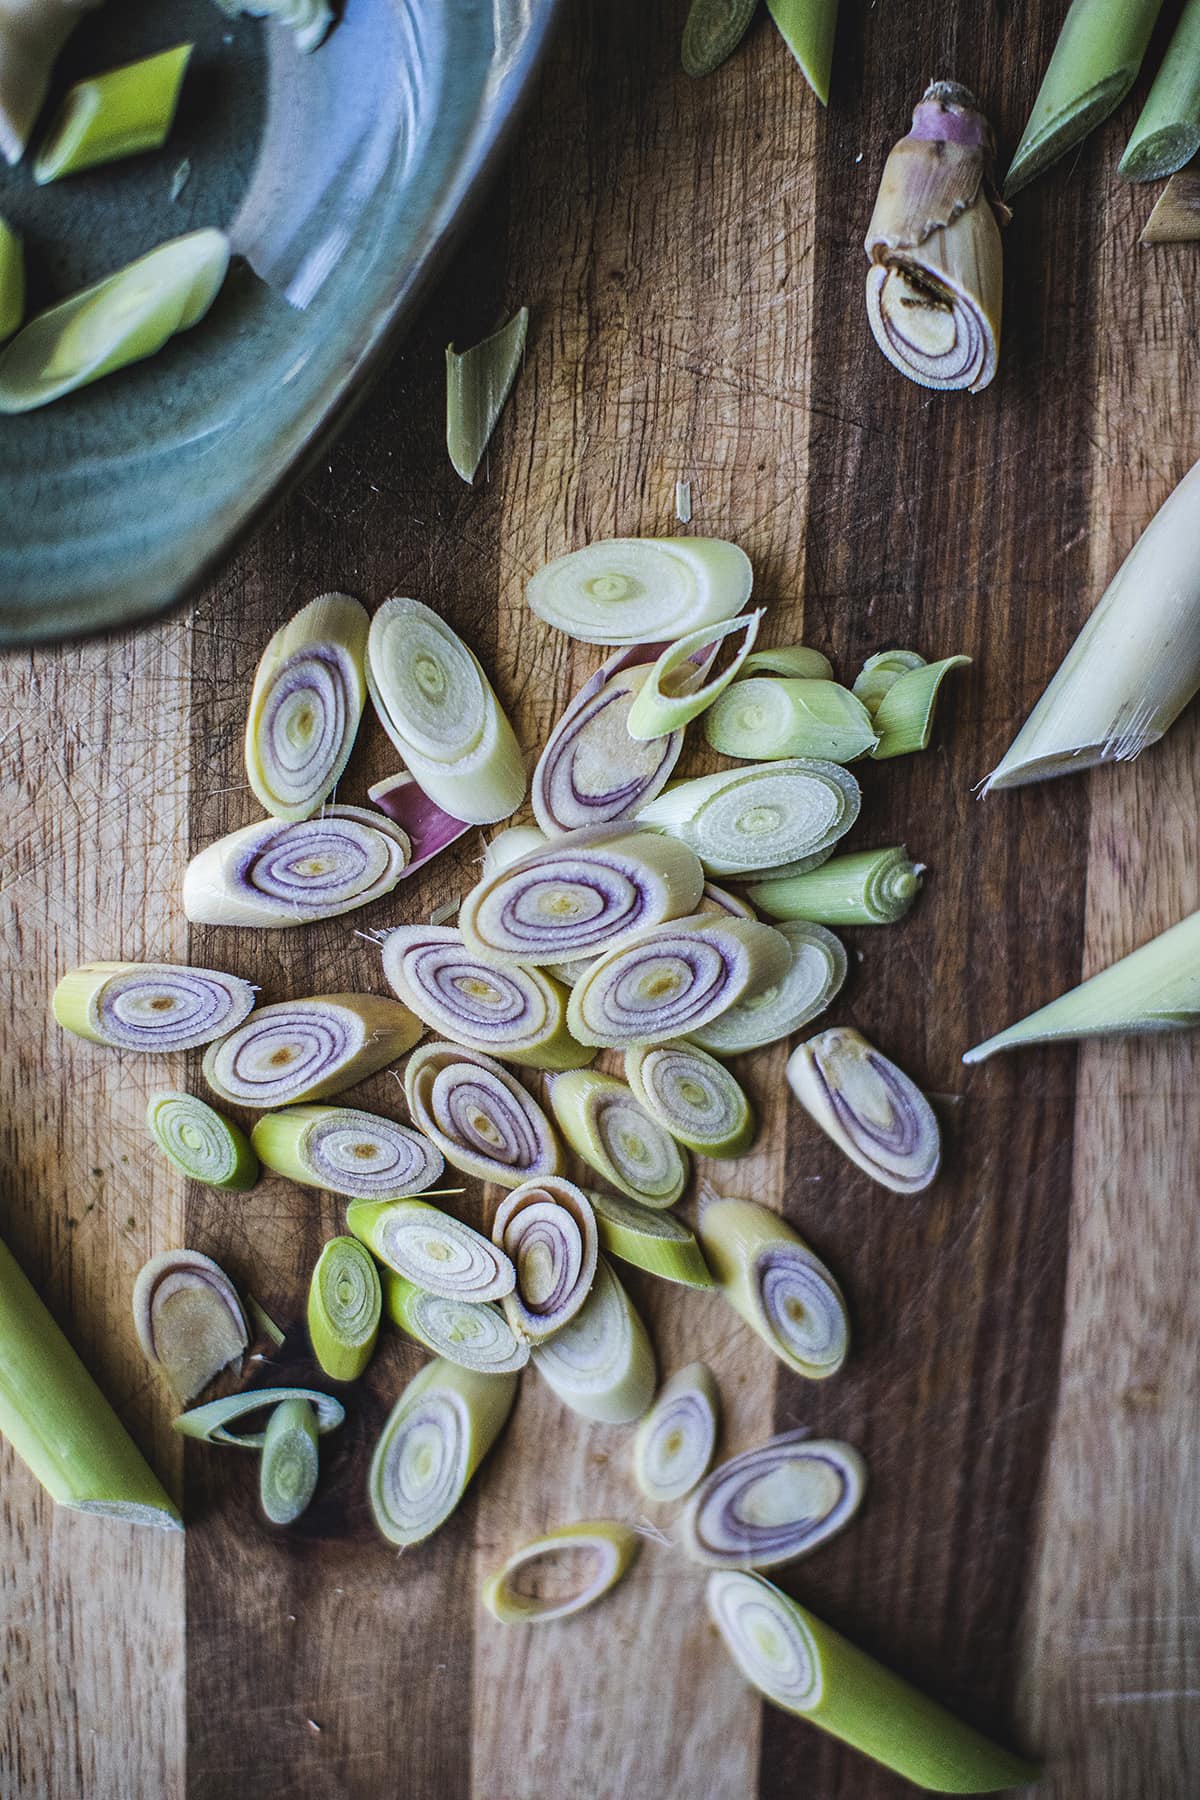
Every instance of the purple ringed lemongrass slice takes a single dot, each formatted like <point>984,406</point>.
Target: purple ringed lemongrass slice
<point>692,1096</point>
<point>188,1319</point>
<point>150,1006</point>
<point>346,1151</point>
<point>308,696</point>
<point>869,1107</point>
<point>671,697</point>
<point>815,975</point>
<point>271,875</point>
<point>772,1279</point>
<point>606,1550</point>
<point>606,1125</point>
<point>433,1440</point>
<point>674,1443</point>
<point>743,820</point>
<point>429,1247</point>
<point>428,829</point>
<point>480,1118</point>
<point>548,1232</point>
<point>308,1049</point>
<point>774,1503</point>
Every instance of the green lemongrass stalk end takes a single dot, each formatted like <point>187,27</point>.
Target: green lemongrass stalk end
<point>807,28</point>
<point>869,887</point>
<point>1167,133</point>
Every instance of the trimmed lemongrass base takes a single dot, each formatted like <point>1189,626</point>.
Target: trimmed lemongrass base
<point>641,590</point>
<point>773,1281</point>
<point>346,1151</point>
<point>807,28</point>
<point>345,1304</point>
<point>667,701</point>
<point>434,1439</point>
<point>59,1423</point>
<point>654,1241</point>
<point>870,1108</point>
<point>869,887</point>
<point>305,1050</point>
<point>188,1319</point>
<point>309,691</point>
<point>478,382</point>
<point>288,1474</point>
<point>120,113</point>
<point>880,673</point>
<point>746,820</point>
<point>150,1006</point>
<point>427,1246</point>
<point>692,1096</point>
<point>790,659</point>
<point>601,1365</point>
<point>1176,215</point>
<point>904,715</point>
<point>548,1232</point>
<point>609,1551</point>
<point>606,1125</point>
<point>12,280</point>
<point>479,1116</point>
<point>809,1669</point>
<point>712,33</point>
<point>211,1423</point>
<point>774,1503</point>
<point>814,977</point>
<point>675,1442</point>
<point>473,1335</point>
<point>771,716</point>
<point>203,1144</point>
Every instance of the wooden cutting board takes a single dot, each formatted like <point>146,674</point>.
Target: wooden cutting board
<point>1023,1384</point>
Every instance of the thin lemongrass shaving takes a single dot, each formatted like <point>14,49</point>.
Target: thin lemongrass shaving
<point>606,1125</point>
<point>150,1006</point>
<point>789,659</point>
<point>869,1107</point>
<point>479,1117</point>
<point>601,1365</point>
<point>211,1423</point>
<point>478,382</point>
<point>607,1551</point>
<point>774,1503</point>
<point>427,827</point>
<point>881,672</point>
<point>774,1282</point>
<point>1176,215</point>
<point>868,887</point>
<point>649,1239</point>
<point>188,1319</point>
<point>807,28</point>
<point>434,1439</point>
<point>745,820</point>
<point>203,1144</point>
<point>309,692</point>
<point>665,703</point>
<point>121,113</point>
<point>272,875</point>
<point>345,1304</point>
<point>641,590</point>
<point>12,280</point>
<point>288,1474</point>
<point>474,1335</point>
<point>772,716</point>
<point>346,1151</point>
<point>813,979</point>
<point>427,1246</point>
<point>904,716</point>
<point>675,1442</point>
<point>548,1231</point>
<point>692,1096</point>
<point>304,1050</point>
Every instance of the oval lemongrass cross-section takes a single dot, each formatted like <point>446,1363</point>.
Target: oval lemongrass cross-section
<point>592,772</point>
<point>814,976</point>
<point>548,1231</point>
<point>650,1239</point>
<point>427,827</point>
<point>150,1006</point>
<point>869,1107</point>
<point>774,1503</point>
<point>480,1118</point>
<point>599,1552</point>
<point>203,1144</point>
<point>188,1318</point>
<point>719,899</point>
<point>674,1443</point>
<point>427,1246</point>
<point>601,1364</point>
<point>606,1125</point>
<point>211,1422</point>
<point>675,693</point>
<point>771,1278</point>
<point>433,1440</point>
<point>693,1096</point>
<point>347,1152</point>
<point>307,1049</point>
<point>771,716</point>
<point>641,590</point>
<point>273,875</point>
<point>743,820</point>
<point>288,1472</point>
<point>308,695</point>
<point>474,1334</point>
<point>345,1304</point>
<point>868,887</point>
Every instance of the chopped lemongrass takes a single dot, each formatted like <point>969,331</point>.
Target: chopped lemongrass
<point>441,712</point>
<point>664,703</point>
<point>306,1050</point>
<point>12,280</point>
<point>478,382</point>
<point>807,28</point>
<point>606,1551</point>
<point>814,977</point>
<point>774,1503</point>
<point>613,1133</point>
<point>548,1231</point>
<point>345,1303</point>
<point>510,846</point>
<point>592,772</point>
<point>346,1151</point>
<point>771,716</point>
<point>641,590</point>
<point>1134,666</point>
<point>120,320</point>
<point>150,1006</point>
<point>773,1281</point>
<point>674,1443</point>
<point>273,875</point>
<point>789,659</point>
<point>480,1118</point>
<point>881,672</point>
<point>428,829</point>
<point>650,1239</point>
<point>1176,215</point>
<point>693,1096</point>
<point>188,1319</point>
<point>308,20</point>
<point>309,692</point>
<point>1094,65</point>
<point>601,1365</point>
<point>712,32</point>
<point>427,1246</point>
<point>1167,133</point>
<point>904,716</point>
<point>201,1142</point>
<point>59,1423</point>
<point>211,1423</point>
<point>743,820</point>
<point>673,980</point>
<point>1154,988</point>
<point>434,1439</point>
<point>32,32</point>
<point>288,1475</point>
<point>869,1107</point>
<point>809,1669</point>
<point>474,1334</point>
<point>868,887</point>
<point>720,900</point>
<point>121,113</point>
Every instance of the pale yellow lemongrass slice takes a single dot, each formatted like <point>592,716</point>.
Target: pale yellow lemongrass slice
<point>188,1319</point>
<point>433,1440</point>
<point>474,1334</point>
<point>869,1107</point>
<point>789,659</point>
<point>309,691</point>
<point>675,1442</point>
<point>661,706</point>
<point>773,1280</point>
<point>427,1246</point>
<point>601,1365</point>
<point>813,979</point>
<point>120,113</point>
<point>774,1503</point>
<point>304,1050</point>
<point>641,590</point>
<point>650,1239</point>
<point>479,1116</point>
<point>605,1550</point>
<point>548,1232</point>
<point>746,820</point>
<point>692,1096</point>
<point>606,1125</point>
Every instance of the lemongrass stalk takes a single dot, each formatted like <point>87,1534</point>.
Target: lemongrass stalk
<point>1176,215</point>
<point>308,20</point>
<point>427,827</point>
<point>663,703</point>
<point>480,1118</point>
<point>692,1096</point>
<point>346,1151</point>
<point>548,1231</point>
<point>743,820</point>
<point>120,320</point>
<point>649,1239</point>
<point>789,659</point>
<point>904,715</point>
<point>203,1144</point>
<point>12,280</point>
<point>303,1050</point>
<point>345,1304</point>
<point>121,113</point>
<point>474,1334</point>
<point>774,1503</point>
<point>288,1474</point>
<point>210,1423</point>
<point>878,1117</point>
<point>881,672</point>
<point>868,887</point>
<point>807,28</point>
<point>720,900</point>
<point>1094,65</point>
<point>478,382</point>
<point>188,1319</point>
<point>150,1006</point>
<point>814,977</point>
<point>433,1440</point>
<point>59,1423</point>
<point>309,691</point>
<point>273,875</point>
<point>771,716</point>
<point>1134,666</point>
<point>675,1442</point>
<point>641,590</point>
<point>511,845</point>
<point>712,32</point>
<point>607,1127</point>
<point>775,1283</point>
<point>601,1365</point>
<point>32,32</point>
<point>427,1246</point>
<point>609,1551</point>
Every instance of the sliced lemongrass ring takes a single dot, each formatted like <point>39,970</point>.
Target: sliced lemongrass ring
<point>607,1126</point>
<point>592,772</point>
<point>774,1503</point>
<point>746,820</point>
<point>692,1096</point>
<point>273,875</point>
<point>548,1232</point>
<point>346,1151</point>
<point>309,692</point>
<point>307,1049</point>
<point>474,1334</point>
<point>433,1440</point>
<point>655,1241</point>
<point>773,1280</point>
<point>428,828</point>
<point>675,1442</point>
<point>345,1304</point>
<point>481,1119</point>
<point>188,1319</point>
<point>641,590</point>
<point>427,1246</point>
<point>813,978</point>
<point>601,1365</point>
<point>201,1142</point>
<point>211,1422</point>
<point>150,1006</point>
<point>606,1550</point>
<point>289,1468</point>
<point>869,1107</point>
<point>665,703</point>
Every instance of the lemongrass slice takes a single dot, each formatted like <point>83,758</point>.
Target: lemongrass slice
<point>1176,215</point>
<point>478,1116</point>
<point>775,1283</point>
<point>150,1006</point>
<point>32,32</point>
<point>649,1239</point>
<point>673,980</point>
<point>308,696</point>
<point>881,672</point>
<point>868,887</point>
<point>807,28</point>
<point>904,716</point>
<point>120,320</point>
<point>308,20</point>
<point>308,1049</point>
<point>121,113</point>
<point>12,280</point>
<point>869,1107</point>
<point>601,1365</point>
<point>674,1443</point>
<point>719,899</point>
<point>751,819</point>
<point>427,1246</point>
<point>789,659</point>
<point>713,30</point>
<point>510,846</point>
<point>346,1151</point>
<point>441,712</point>
<point>607,1552</point>
<point>813,978</point>
<point>605,1124</point>
<point>211,1423</point>
<point>288,1474</point>
<point>427,827</point>
<point>478,382</point>
<point>774,1503</point>
<point>692,1096</point>
<point>1167,133</point>
<point>548,1231</point>
<point>203,1144</point>
<point>473,1334</point>
<point>434,1439</point>
<point>345,1304</point>
<point>272,875</point>
<point>641,590</point>
<point>663,703</point>
<point>59,1423</point>
<point>771,716</point>
<point>188,1319</point>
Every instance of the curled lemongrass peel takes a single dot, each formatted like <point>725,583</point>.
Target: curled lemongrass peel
<point>904,715</point>
<point>664,703</point>
<point>345,1303</point>
<point>475,1335</point>
<point>211,1423</point>
<point>308,1049</point>
<point>203,1144</point>
<point>12,280</point>
<point>814,977</point>
<point>592,772</point>
<point>308,20</point>
<point>934,288</point>
<point>674,1443</point>
<point>650,1239</point>
<point>274,875</point>
<point>809,1669</point>
<point>614,1134</point>
<point>774,1503</point>
<point>869,1107</point>
<point>609,1552</point>
<point>548,1231</point>
<point>150,1006</point>
<point>719,899</point>
<point>120,320</point>
<point>1176,215</point>
<point>188,1319</point>
<point>807,28</point>
<point>478,382</point>
<point>308,695</point>
<point>121,113</point>
<point>771,1278</point>
<point>347,1152</point>
<point>32,32</point>
<point>427,1246</point>
<point>743,820</point>
<point>641,590</point>
<point>480,1118</point>
<point>789,659</point>
<point>692,1096</point>
<point>288,1475</point>
<point>881,672</point>
<point>601,1365</point>
<point>868,887</point>
<point>428,829</point>
<point>435,1437</point>
<point>712,32</point>
<point>772,716</point>
<point>1167,133</point>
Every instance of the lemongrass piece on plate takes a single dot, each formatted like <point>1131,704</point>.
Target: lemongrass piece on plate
<point>1167,133</point>
<point>775,1283</point>
<point>743,820</point>
<point>288,1473</point>
<point>867,887</point>
<point>613,1133</point>
<point>427,827</point>
<point>904,716</point>
<point>548,1232</point>
<point>480,1118</point>
<point>150,1006</point>
<point>120,320</point>
<point>807,28</point>
<point>308,20</point>
<point>881,672</point>
<point>441,712</point>
<point>309,692</point>
<point>809,1669</point>
<point>475,1334</point>
<point>772,716</point>
<point>12,280</point>
<point>347,1151</point>
<point>674,1443</point>
<point>601,1365</point>
<point>712,31</point>
<point>434,1439</point>
<point>869,1107</point>
<point>32,32</point>
<point>345,1304</point>
<point>275,874</point>
<point>774,1503</point>
<point>1176,215</point>
<point>692,1096</point>
<point>663,704</point>
<point>641,590</point>
<point>606,1550</point>
<point>303,1050</point>
<point>59,1423</point>
<point>591,771</point>
<point>188,1319</point>
<point>478,382</point>
<point>510,846</point>
<point>813,979</point>
<point>1095,63</point>
<point>720,900</point>
<point>1134,666</point>
<point>211,1423</point>
<point>649,1239</point>
<point>203,1144</point>
<point>120,113</point>
<point>427,1246</point>
<point>789,659</point>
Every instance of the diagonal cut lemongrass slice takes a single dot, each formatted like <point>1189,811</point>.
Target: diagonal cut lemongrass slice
<point>121,113</point>
<point>606,1551</point>
<point>188,1319</point>
<point>32,32</point>
<point>203,1144</point>
<point>641,590</point>
<point>869,1107</point>
<point>150,1006</point>
<point>607,1126</point>
<point>772,716</point>
<point>478,382</point>
<point>345,1304</point>
<point>789,659</point>
<point>904,716</point>
<point>433,1440</point>
<point>272,875</point>
<point>649,1239</point>
<point>880,673</point>
<point>813,978</point>
<point>309,691</point>
<point>774,1503</point>
<point>713,30</point>
<point>772,1279</point>
<point>548,1232</point>
<point>210,1423</point>
<point>669,698</point>
<point>346,1151</point>
<point>474,1334</point>
<point>290,1462</point>
<point>428,829</point>
<point>480,1118</point>
<point>427,1246</point>
<point>592,772</point>
<point>746,820</point>
<point>675,1442</point>
<point>601,1365</point>
<point>308,1049</point>
<point>720,900</point>
<point>1167,134</point>
<point>692,1096</point>
<point>868,887</point>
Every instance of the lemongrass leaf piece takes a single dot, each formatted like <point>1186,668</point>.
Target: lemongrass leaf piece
<point>120,113</point>
<point>548,1232</point>
<point>303,1050</point>
<point>904,716</point>
<point>474,1334</point>
<point>878,1117</point>
<point>613,1133</point>
<point>606,1550</point>
<point>675,1442</point>
<point>881,672</point>
<point>427,1246</point>
<point>651,1239</point>
<point>814,977</point>
<point>479,1116</point>
<point>745,820</point>
<point>478,382</point>
<point>272,875</point>
<point>188,1319</point>
<point>775,1283</point>
<point>347,1151</point>
<point>288,1473</point>
<point>203,1144</point>
<point>12,280</point>
<point>774,1503</point>
<point>771,716</point>
<point>601,1364</point>
<point>211,1423</point>
<point>150,1006</point>
<point>641,590</point>
<point>807,28</point>
<point>795,660</point>
<point>692,1096</point>
<point>433,1440</point>
<point>345,1305</point>
<point>868,887</point>
<point>664,703</point>
<point>308,695</point>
